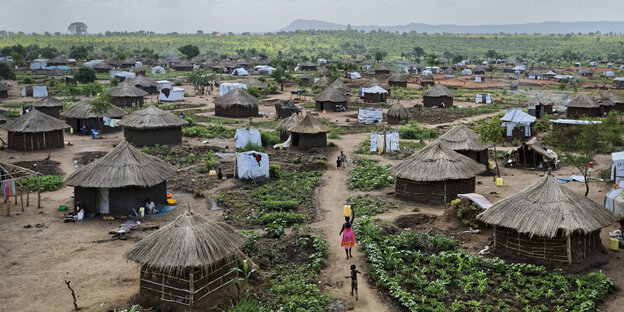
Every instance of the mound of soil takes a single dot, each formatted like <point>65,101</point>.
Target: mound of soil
<point>414,220</point>
<point>88,157</point>
<point>45,167</point>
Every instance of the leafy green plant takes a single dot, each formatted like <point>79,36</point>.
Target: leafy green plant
<point>369,175</point>
<point>274,230</point>
<point>365,205</point>
<point>275,171</point>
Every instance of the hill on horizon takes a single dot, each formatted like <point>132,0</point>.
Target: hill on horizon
<point>528,28</point>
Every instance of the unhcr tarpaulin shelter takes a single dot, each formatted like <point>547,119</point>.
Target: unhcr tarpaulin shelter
<point>171,95</point>
<point>247,136</point>
<point>226,87</point>
<point>252,165</point>
<point>369,116</point>
<point>355,75</point>
<point>240,72</point>
<point>38,64</point>
<point>158,70</point>
<point>163,84</point>
<point>483,98</point>
<point>617,167</point>
<point>35,91</point>
<point>516,117</point>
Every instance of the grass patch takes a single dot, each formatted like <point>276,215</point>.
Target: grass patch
<point>208,131</point>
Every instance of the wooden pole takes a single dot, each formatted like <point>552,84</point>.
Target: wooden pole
<point>21,190</point>
<point>38,193</point>
<point>569,246</point>
<point>191,289</point>
<point>28,194</point>
<point>8,208</point>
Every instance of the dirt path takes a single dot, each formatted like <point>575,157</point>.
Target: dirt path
<point>333,194</point>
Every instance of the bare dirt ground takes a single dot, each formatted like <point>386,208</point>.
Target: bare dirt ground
<point>37,260</point>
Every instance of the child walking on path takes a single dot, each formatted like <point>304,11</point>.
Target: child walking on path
<point>348,237</point>
<point>343,160</point>
<point>354,283</point>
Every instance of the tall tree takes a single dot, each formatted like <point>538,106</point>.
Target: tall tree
<point>281,77</point>
<point>190,51</point>
<point>99,106</point>
<point>6,72</point>
<point>77,28</point>
<point>491,132</point>
<point>85,75</point>
<point>432,59</point>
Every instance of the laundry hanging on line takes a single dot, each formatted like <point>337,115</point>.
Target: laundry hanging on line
<point>8,187</point>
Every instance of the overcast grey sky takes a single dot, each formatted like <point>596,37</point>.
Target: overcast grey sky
<point>271,15</point>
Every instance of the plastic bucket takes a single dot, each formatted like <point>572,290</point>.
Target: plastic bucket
<point>171,201</point>
<point>614,244</point>
<point>62,207</point>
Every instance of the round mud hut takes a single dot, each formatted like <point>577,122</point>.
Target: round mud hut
<point>50,106</point>
<point>102,67</point>
<point>397,113</point>
<point>237,103</point>
<point>254,82</point>
<point>321,82</point>
<point>121,181</point>
<point>435,175</point>
<point>153,126</point>
<point>376,94</point>
<point>283,126</point>
<point>464,141</point>
<point>187,260</point>
<point>397,80</point>
<point>79,115</point>
<point>374,82</point>
<point>4,91</point>
<point>309,133</point>
<point>439,96</point>
<point>304,80</point>
<point>330,100</point>
<point>338,84</point>
<point>547,223</point>
<point>35,131</point>
<point>583,106</point>
<point>148,85</point>
<point>539,108</point>
<point>427,80</point>
<point>127,95</point>
<point>382,69</point>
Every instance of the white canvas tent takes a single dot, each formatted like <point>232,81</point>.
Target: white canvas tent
<point>369,116</point>
<point>240,72</point>
<point>515,117</point>
<point>609,74</point>
<point>92,63</point>
<point>171,95</point>
<point>355,75</point>
<point>478,79</point>
<point>614,201</point>
<point>226,87</point>
<point>122,74</point>
<point>163,84</point>
<point>483,98</point>
<point>158,70</point>
<point>248,167</point>
<point>38,64</point>
<point>246,136</point>
<point>466,72</point>
<point>264,69</point>
<point>377,140</point>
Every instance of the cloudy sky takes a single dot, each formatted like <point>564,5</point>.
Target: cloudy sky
<point>271,15</point>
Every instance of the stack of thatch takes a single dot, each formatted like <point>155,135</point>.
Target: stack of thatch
<point>397,113</point>
<point>187,242</point>
<point>254,82</point>
<point>124,166</point>
<point>144,83</point>
<point>151,118</point>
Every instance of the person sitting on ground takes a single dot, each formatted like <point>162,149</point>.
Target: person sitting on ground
<point>354,283</point>
<point>79,212</point>
<point>150,206</point>
<point>219,174</point>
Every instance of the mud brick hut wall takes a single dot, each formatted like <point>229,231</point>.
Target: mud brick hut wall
<point>122,200</point>
<point>584,111</point>
<point>433,192</point>
<point>437,101</point>
<point>28,141</point>
<point>329,106</point>
<point>402,84</point>
<point>54,111</point>
<point>478,156</point>
<point>128,101</point>
<point>160,136</point>
<point>92,123</point>
<point>307,141</point>
<point>236,111</point>
<point>561,249</point>
<point>374,97</point>
<point>382,71</point>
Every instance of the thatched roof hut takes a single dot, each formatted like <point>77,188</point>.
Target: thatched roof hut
<point>153,126</point>
<point>449,73</point>
<point>547,222</point>
<point>120,181</point>
<point>35,131</point>
<point>583,105</point>
<point>283,126</point>
<point>188,259</point>
<point>304,80</point>
<point>539,108</point>
<point>102,67</point>
<point>439,96</point>
<point>308,66</point>
<point>49,105</point>
<point>254,82</point>
<point>128,62</point>
<point>237,103</point>
<point>374,82</point>
<point>331,99</point>
<point>127,95</point>
<point>323,71</point>
<point>338,84</point>
<point>321,82</point>
<point>382,69</point>
<point>79,116</point>
<point>184,66</point>
<point>609,101</point>
<point>533,154</point>
<point>397,80</point>
<point>435,174</point>
<point>4,91</point>
<point>309,132</point>
<point>148,85</point>
<point>464,141</point>
<point>57,60</point>
<point>397,113</point>
<point>427,80</point>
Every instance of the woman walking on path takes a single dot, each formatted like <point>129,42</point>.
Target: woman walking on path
<point>348,237</point>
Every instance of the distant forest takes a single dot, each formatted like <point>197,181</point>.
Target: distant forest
<point>330,45</point>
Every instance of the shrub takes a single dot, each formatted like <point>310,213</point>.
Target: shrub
<point>250,147</point>
<point>414,132</point>
<point>332,144</point>
<point>274,230</point>
<point>198,193</point>
<point>13,112</point>
<point>275,171</point>
<point>283,218</point>
<point>85,75</point>
<point>254,91</point>
<point>365,205</point>
<point>47,183</point>
<point>6,72</point>
<point>269,138</point>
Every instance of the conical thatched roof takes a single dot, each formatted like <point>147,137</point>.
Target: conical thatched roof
<point>374,82</point>
<point>3,87</point>
<point>583,101</point>
<point>322,71</point>
<point>48,101</point>
<point>536,101</point>
<point>128,61</point>
<point>437,162</point>
<point>462,138</point>
<point>383,66</point>
<point>545,208</point>
<point>331,95</point>
<point>607,98</point>
<point>35,122</point>
<point>309,125</point>
<point>252,81</point>
<point>83,111</point>
<point>152,118</point>
<point>142,81</point>
<point>126,89</point>
<point>124,166</point>
<point>237,97</point>
<point>56,72</point>
<point>397,78</point>
<point>438,90</point>
<point>58,60</point>
<point>103,65</point>
<point>187,242</point>
<point>427,78</point>
<point>398,111</point>
<point>338,84</point>
<point>322,82</point>
<point>449,71</point>
<point>288,122</point>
